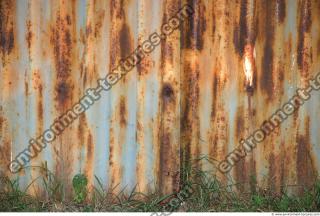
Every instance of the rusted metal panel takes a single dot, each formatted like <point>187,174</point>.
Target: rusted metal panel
<point>209,84</point>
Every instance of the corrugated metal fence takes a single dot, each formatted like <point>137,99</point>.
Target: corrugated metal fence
<point>187,99</point>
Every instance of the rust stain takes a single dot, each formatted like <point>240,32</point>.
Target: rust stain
<point>266,80</point>
<point>305,23</point>
<point>88,30</point>
<point>62,42</point>
<point>26,85</point>
<point>306,172</point>
<point>192,34</point>
<point>2,120</point>
<point>7,40</point>
<point>145,66</point>
<point>29,36</point>
<point>90,154</point>
<point>5,151</point>
<point>241,170</point>
<point>123,111</point>
<point>214,94</point>
<point>125,41</point>
<point>1,123</point>
<point>240,174</point>
<point>190,109</point>
<point>63,92</point>
<point>283,171</point>
<point>82,127</point>
<point>99,23</point>
<point>241,34</point>
<point>281,10</point>
<point>240,123</point>
<point>40,109</point>
<point>167,94</point>
<point>166,54</point>
<point>272,171</point>
<point>165,155</point>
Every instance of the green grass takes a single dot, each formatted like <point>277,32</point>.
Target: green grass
<point>208,195</point>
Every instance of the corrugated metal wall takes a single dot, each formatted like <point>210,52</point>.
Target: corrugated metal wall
<point>188,98</point>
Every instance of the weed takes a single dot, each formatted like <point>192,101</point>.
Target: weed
<point>208,194</point>
<point>79,183</point>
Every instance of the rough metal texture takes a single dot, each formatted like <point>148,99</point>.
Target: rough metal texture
<point>188,98</point>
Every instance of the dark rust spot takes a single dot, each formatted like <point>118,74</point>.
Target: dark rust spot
<point>90,147</point>
<point>214,95</point>
<point>167,92</point>
<point>67,39</point>
<point>68,19</point>
<point>29,35</point>
<point>81,130</point>
<point>40,105</point>
<point>242,34</point>
<point>61,39</point>
<point>240,123</point>
<point>166,54</point>
<point>26,85</point>
<point>201,27</point>
<point>119,6</point>
<point>63,90</point>
<point>304,27</point>
<point>123,111</point>
<point>165,155</point>
<point>266,80</point>
<point>111,146</point>
<point>6,27</point>
<point>190,112</point>
<point>99,23</point>
<point>88,30</point>
<point>193,28</point>
<point>238,45</point>
<point>213,24</point>
<point>281,10</point>
<point>2,120</point>
<point>125,41</point>
<point>90,154</point>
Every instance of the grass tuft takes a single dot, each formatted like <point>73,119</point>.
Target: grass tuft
<point>208,195</point>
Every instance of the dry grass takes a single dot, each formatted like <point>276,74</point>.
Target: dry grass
<point>208,195</point>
